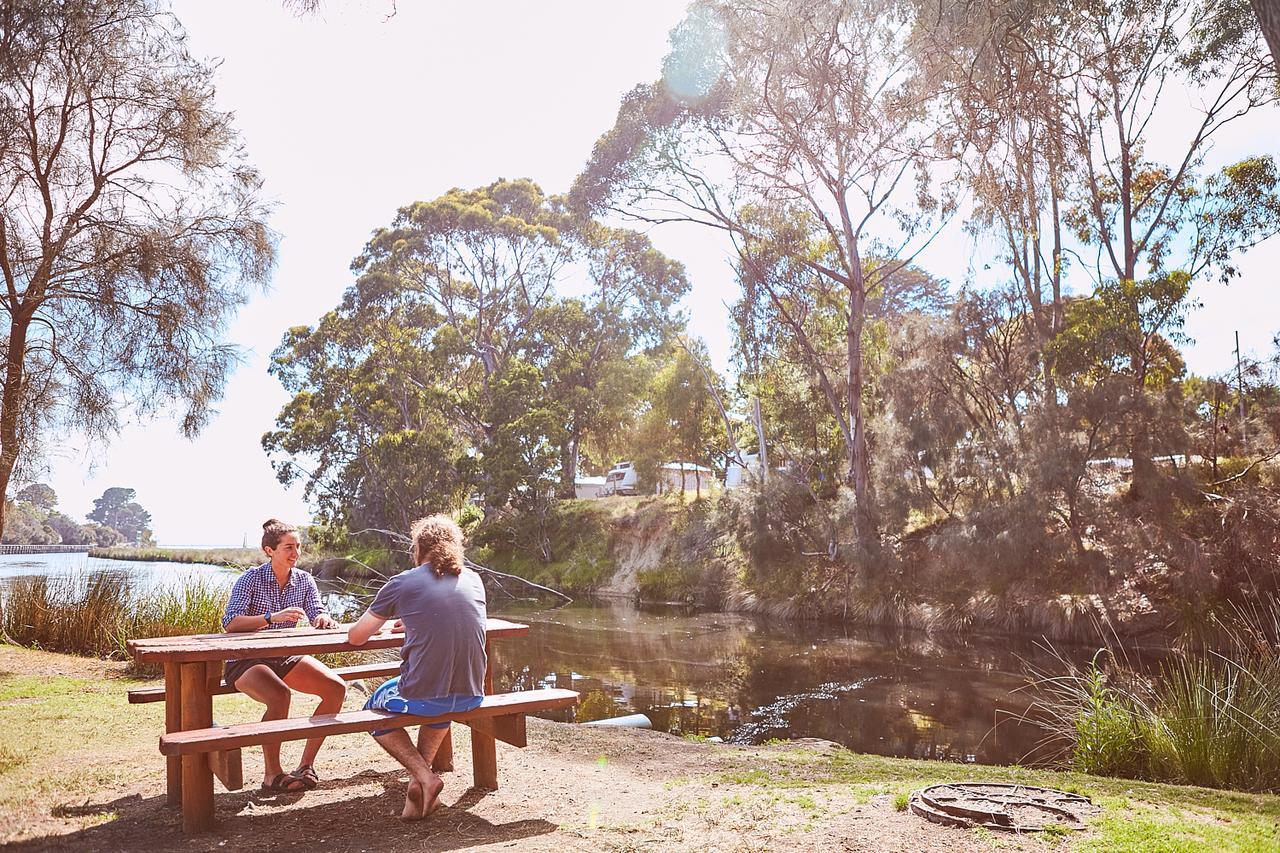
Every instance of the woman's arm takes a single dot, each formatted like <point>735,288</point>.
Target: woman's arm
<point>246,622</point>
<point>370,623</point>
<point>316,613</point>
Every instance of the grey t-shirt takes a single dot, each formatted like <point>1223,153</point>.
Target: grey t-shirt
<point>444,625</point>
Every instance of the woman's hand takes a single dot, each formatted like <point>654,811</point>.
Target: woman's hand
<point>289,614</point>
<point>324,620</point>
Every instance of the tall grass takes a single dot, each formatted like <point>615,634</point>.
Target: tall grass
<point>1207,715</point>
<point>96,614</point>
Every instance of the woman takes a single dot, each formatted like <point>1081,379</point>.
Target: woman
<point>442,606</point>
<point>277,595</point>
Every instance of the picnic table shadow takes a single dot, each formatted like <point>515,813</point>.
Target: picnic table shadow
<point>254,819</point>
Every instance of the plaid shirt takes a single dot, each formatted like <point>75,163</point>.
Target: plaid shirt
<point>256,593</point>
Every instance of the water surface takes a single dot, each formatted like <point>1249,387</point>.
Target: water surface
<point>740,678</point>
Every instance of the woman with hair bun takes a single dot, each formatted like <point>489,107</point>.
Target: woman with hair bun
<point>442,606</point>
<point>278,595</point>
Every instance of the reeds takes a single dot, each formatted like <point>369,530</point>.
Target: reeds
<point>95,614</point>
<point>1205,716</point>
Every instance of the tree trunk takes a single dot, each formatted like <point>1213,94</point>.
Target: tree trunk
<point>568,468</point>
<point>11,406</point>
<point>1268,12</point>
<point>859,476</point>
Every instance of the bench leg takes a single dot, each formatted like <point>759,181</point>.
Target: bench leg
<point>484,750</point>
<point>226,764</point>
<point>173,723</point>
<point>443,761</point>
<point>484,761</point>
<point>197,777</point>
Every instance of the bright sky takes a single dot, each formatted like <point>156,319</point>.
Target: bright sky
<point>350,116</point>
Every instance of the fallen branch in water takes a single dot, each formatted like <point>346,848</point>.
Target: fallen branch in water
<point>474,566</point>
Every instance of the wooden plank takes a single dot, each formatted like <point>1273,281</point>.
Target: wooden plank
<point>484,749</point>
<point>142,695</point>
<point>509,728</point>
<point>197,778</point>
<point>277,643</point>
<point>171,693</point>
<point>323,725</point>
<point>228,768</point>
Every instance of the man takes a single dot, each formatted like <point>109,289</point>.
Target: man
<point>441,605</point>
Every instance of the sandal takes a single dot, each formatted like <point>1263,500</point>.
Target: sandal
<point>280,784</point>
<point>306,774</point>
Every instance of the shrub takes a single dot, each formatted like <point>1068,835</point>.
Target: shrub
<point>1209,716</point>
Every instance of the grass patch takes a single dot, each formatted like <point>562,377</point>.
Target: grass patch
<point>1139,816</point>
<point>900,801</point>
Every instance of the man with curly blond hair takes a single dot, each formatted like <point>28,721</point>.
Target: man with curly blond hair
<point>442,605</point>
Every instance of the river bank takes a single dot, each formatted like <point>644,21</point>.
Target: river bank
<point>713,554</point>
<point>94,781</point>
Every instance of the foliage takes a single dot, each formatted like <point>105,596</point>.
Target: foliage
<point>457,366</point>
<point>681,421</point>
<point>34,520</point>
<point>118,510</point>
<point>132,227</point>
<point>566,546</point>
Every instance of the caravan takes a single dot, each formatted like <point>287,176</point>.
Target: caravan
<point>621,480</point>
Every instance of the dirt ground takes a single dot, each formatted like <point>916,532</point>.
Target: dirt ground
<point>572,788</point>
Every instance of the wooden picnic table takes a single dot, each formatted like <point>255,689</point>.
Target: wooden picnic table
<point>193,671</point>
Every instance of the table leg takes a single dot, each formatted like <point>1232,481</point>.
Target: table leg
<point>173,723</point>
<point>197,777</point>
<point>484,750</point>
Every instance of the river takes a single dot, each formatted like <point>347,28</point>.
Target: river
<point>739,678</point>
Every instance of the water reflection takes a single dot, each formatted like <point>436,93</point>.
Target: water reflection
<point>747,680</point>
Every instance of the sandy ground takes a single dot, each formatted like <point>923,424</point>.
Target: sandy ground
<point>572,788</point>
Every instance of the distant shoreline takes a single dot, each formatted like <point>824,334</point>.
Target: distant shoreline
<point>236,558</point>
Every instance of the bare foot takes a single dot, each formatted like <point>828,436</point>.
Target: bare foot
<point>413,801</point>
<point>421,800</point>
<point>433,796</point>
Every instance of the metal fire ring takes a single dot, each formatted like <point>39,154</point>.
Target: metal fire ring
<point>997,805</point>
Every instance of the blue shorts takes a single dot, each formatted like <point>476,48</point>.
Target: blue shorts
<point>387,698</point>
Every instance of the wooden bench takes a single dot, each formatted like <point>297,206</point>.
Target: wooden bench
<point>142,695</point>
<point>500,716</point>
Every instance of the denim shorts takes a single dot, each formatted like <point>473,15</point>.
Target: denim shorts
<point>387,698</point>
<point>280,666</point>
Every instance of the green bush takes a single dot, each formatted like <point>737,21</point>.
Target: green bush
<point>1208,716</point>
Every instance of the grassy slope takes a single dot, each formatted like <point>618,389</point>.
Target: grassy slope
<point>72,751</point>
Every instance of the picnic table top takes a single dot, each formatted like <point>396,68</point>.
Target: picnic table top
<point>278,642</point>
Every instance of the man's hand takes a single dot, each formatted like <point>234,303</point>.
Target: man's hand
<point>398,626</point>
<point>324,620</point>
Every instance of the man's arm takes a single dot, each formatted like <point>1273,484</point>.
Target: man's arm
<point>370,623</point>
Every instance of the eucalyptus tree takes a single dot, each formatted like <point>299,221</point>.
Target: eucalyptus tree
<point>458,364</point>
<point>804,131</point>
<point>131,229</point>
<point>1080,162</point>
